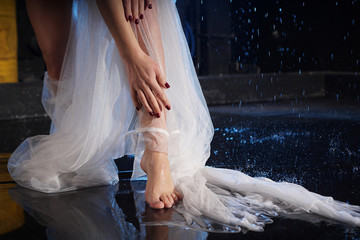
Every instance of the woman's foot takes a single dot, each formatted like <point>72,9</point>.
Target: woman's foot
<point>160,191</point>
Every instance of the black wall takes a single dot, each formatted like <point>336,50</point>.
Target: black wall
<point>258,36</point>
<point>274,35</point>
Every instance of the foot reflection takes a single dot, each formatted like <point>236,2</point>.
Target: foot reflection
<point>161,223</point>
<point>109,213</point>
<point>160,216</point>
<point>173,223</point>
<point>103,213</point>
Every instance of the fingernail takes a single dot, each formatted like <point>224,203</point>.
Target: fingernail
<point>130,18</point>
<point>136,21</point>
<point>167,85</point>
<point>167,107</point>
<point>141,16</point>
<point>137,109</point>
<point>150,6</point>
<point>151,114</point>
<point>158,115</point>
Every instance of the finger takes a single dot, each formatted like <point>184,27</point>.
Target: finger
<point>160,95</point>
<point>135,10</point>
<point>144,102</point>
<point>127,9</point>
<point>141,9</point>
<point>134,98</point>
<point>159,103</point>
<point>139,102</point>
<point>152,102</point>
<point>160,78</point>
<point>148,4</point>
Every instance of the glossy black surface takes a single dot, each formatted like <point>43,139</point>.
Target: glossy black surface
<point>314,143</point>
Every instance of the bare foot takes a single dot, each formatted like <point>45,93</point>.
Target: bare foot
<point>160,192</point>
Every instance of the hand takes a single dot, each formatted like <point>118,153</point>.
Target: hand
<point>134,9</point>
<point>147,84</point>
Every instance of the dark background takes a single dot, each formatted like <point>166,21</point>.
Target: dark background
<point>259,36</point>
<point>236,36</point>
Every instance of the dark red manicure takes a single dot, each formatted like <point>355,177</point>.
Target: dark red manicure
<point>136,21</point>
<point>167,85</point>
<point>130,18</point>
<point>141,16</point>
<point>150,6</point>
<point>167,107</point>
<point>151,114</point>
<point>158,115</point>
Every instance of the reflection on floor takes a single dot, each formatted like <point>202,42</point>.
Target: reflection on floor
<point>4,175</point>
<point>11,213</point>
<point>316,145</point>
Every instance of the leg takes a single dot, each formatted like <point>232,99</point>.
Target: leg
<point>51,23</point>
<point>160,191</point>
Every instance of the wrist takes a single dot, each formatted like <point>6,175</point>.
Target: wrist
<point>131,54</point>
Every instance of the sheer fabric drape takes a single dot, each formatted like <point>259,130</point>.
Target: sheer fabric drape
<point>94,121</point>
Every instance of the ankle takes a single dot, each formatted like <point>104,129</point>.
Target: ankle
<point>154,160</point>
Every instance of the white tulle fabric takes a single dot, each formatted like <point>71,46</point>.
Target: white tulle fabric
<point>94,121</point>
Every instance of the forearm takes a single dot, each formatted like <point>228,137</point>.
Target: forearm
<point>114,17</point>
<point>146,80</point>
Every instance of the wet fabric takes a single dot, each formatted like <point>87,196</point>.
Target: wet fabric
<point>94,121</point>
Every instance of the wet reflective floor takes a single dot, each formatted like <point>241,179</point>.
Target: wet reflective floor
<point>313,143</point>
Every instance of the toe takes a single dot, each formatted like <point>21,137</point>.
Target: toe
<point>171,200</point>
<point>166,201</point>
<point>157,205</point>
<point>173,196</point>
<point>179,196</point>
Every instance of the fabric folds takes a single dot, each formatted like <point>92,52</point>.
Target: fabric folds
<point>94,121</point>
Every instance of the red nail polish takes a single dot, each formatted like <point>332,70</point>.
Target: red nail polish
<point>141,16</point>
<point>167,85</point>
<point>151,114</point>
<point>130,18</point>
<point>158,115</point>
<point>137,109</point>
<point>167,107</point>
<point>136,21</point>
<point>150,6</point>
